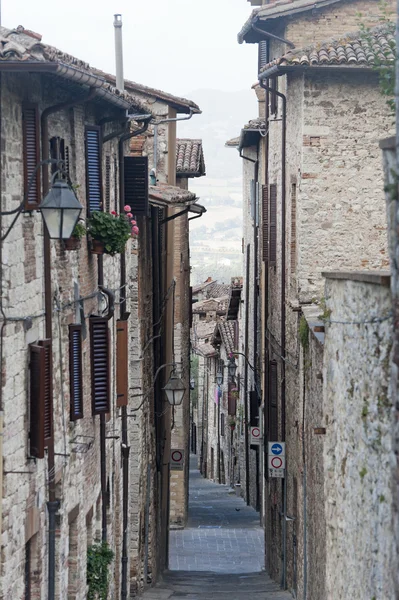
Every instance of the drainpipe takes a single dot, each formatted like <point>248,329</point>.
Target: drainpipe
<point>53,503</point>
<point>162,122</point>
<point>282,307</point>
<point>2,314</point>
<point>246,437</point>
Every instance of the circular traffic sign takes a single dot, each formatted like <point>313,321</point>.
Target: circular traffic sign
<point>255,432</point>
<point>277,449</point>
<point>277,462</point>
<point>177,456</point>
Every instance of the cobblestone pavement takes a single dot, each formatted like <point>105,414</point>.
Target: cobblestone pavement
<point>219,556</point>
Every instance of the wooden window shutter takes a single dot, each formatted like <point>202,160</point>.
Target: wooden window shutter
<point>252,198</point>
<point>263,54</point>
<point>273,96</point>
<point>48,390</point>
<point>265,223</point>
<point>93,169</point>
<point>99,347</point>
<point>31,153</point>
<point>273,224</point>
<point>293,228</point>
<point>136,184</point>
<point>37,392</point>
<point>232,399</point>
<point>273,405</point>
<point>108,183</point>
<point>253,408</point>
<point>190,300</point>
<point>222,424</point>
<point>75,372</point>
<point>122,366</point>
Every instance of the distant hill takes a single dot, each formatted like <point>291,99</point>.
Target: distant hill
<point>216,246</point>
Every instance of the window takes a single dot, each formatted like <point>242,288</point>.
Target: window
<point>41,397</point>
<point>136,184</point>
<point>99,347</point>
<point>265,223</point>
<point>293,227</point>
<point>31,153</point>
<point>232,399</point>
<point>222,424</point>
<point>93,169</point>
<point>122,366</point>
<point>75,372</point>
<point>273,225</point>
<point>59,151</point>
<point>253,408</point>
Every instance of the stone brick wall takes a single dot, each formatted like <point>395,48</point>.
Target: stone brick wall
<point>358,446</point>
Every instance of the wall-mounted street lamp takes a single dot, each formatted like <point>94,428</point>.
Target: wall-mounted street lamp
<point>174,390</point>
<point>192,383</point>
<point>231,369</point>
<point>60,209</point>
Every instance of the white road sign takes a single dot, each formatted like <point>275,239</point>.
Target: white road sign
<point>177,460</point>
<point>276,459</point>
<point>255,435</point>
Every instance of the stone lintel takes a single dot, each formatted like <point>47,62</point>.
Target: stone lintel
<point>374,277</point>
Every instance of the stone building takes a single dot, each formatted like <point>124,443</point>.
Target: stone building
<point>85,423</point>
<point>321,210</point>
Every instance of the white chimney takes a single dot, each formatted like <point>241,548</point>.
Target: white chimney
<point>120,82</point>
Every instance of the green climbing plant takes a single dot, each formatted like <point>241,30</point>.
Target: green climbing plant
<point>99,557</point>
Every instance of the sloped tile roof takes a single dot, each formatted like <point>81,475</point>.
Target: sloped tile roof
<point>256,124</point>
<point>189,158</point>
<point>353,50</point>
<point>170,194</point>
<point>206,350</point>
<point>278,9</point>
<point>233,143</point>
<point>211,304</point>
<point>227,334</point>
<point>217,290</point>
<point>25,47</point>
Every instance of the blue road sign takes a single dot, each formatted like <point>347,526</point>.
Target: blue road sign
<point>277,449</point>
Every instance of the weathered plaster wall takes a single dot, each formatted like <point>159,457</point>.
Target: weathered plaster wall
<point>358,445</point>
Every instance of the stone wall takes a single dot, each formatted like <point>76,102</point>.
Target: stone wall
<point>358,445</point>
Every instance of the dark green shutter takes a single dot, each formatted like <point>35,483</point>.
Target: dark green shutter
<point>75,372</point>
<point>37,391</point>
<point>136,184</point>
<point>31,154</point>
<point>99,346</point>
<point>273,225</point>
<point>93,169</point>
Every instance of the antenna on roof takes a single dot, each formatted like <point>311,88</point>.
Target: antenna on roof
<point>120,82</point>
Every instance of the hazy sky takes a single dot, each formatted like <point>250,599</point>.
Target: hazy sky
<point>175,45</point>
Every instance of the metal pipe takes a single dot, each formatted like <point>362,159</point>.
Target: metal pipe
<point>3,325</point>
<point>218,446</point>
<point>282,305</point>
<point>246,437</point>
<point>271,36</point>
<point>103,477</point>
<point>52,504</point>
<point>162,122</point>
<point>120,82</point>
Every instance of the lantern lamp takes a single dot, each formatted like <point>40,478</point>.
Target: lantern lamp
<point>174,390</point>
<point>60,210</point>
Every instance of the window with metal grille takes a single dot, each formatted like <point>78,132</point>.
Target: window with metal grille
<point>263,54</point>
<point>93,169</point>
<point>122,367</point>
<point>31,154</point>
<point>222,424</point>
<point>273,96</point>
<point>108,183</point>
<point>265,223</point>
<point>273,402</point>
<point>136,184</point>
<point>273,225</point>
<point>293,227</point>
<point>41,397</point>
<point>58,152</point>
<point>99,347</point>
<point>75,372</point>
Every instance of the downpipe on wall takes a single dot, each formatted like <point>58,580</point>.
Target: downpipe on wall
<point>283,311</point>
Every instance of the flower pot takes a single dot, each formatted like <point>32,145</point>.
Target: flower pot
<point>72,243</point>
<point>97,247</point>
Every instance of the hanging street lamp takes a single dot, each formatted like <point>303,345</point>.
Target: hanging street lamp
<point>60,210</point>
<point>174,390</point>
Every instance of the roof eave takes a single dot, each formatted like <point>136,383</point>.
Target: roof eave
<point>276,71</point>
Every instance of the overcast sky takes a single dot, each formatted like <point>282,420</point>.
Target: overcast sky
<point>176,45</point>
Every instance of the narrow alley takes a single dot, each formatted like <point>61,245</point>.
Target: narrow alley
<point>221,551</point>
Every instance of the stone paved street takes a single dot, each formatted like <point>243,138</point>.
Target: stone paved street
<point>220,554</point>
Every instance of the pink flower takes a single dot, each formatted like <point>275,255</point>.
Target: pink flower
<point>129,215</point>
<point>133,222</point>
<point>127,208</point>
<point>113,213</point>
<point>135,230</point>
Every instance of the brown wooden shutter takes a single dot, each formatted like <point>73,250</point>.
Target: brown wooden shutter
<point>273,96</point>
<point>273,225</point>
<point>232,401</point>
<point>190,300</point>
<point>273,405</point>
<point>48,391</point>
<point>263,54</point>
<point>31,153</point>
<point>136,184</point>
<point>265,223</point>
<point>93,169</point>
<point>37,392</point>
<point>122,366</point>
<point>293,228</point>
<point>99,347</point>
<point>75,372</point>
<point>253,409</point>
<point>108,183</point>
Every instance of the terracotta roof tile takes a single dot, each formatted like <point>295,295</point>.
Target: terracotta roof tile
<point>233,143</point>
<point>189,158</point>
<point>353,50</point>
<point>170,194</point>
<point>227,333</point>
